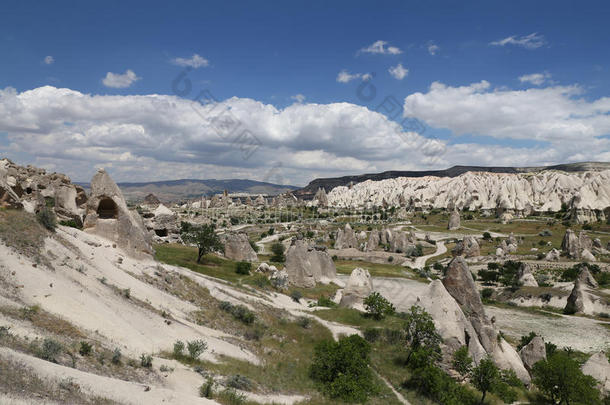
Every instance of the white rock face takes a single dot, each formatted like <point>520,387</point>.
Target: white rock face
<point>358,287</point>
<point>346,238</point>
<point>307,266</point>
<point>237,247</point>
<point>598,367</point>
<point>108,216</point>
<point>518,193</point>
<point>525,276</point>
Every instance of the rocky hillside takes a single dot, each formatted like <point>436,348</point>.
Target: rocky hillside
<point>328,184</point>
<point>586,192</point>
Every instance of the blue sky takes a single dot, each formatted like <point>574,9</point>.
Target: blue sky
<point>287,57</point>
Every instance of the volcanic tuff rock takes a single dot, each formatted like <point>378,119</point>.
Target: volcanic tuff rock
<point>108,216</point>
<point>570,245</point>
<point>525,276</point>
<point>31,188</point>
<point>511,193</point>
<point>320,199</point>
<point>533,352</point>
<point>358,287</point>
<point>553,255</point>
<point>237,247</point>
<point>454,220</point>
<point>373,241</point>
<point>307,266</point>
<point>467,247</point>
<point>598,367</point>
<point>581,300</point>
<point>400,242</point>
<point>346,238</point>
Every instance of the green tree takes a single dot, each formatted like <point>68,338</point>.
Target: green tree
<point>485,376</point>
<point>560,379</point>
<point>378,307</point>
<point>421,334</point>
<point>462,362</point>
<point>278,252</point>
<point>202,236</point>
<point>341,369</point>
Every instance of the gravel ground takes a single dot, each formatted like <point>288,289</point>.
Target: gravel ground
<point>580,333</point>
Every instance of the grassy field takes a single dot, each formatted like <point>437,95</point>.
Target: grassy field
<point>375,269</point>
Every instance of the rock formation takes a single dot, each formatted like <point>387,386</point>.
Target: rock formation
<point>533,352</point>
<point>587,192</point>
<point>525,276</point>
<point>467,247</point>
<point>237,247</point>
<point>580,300</point>
<point>570,245</point>
<point>553,255</point>
<point>587,256</point>
<point>346,238</point>
<point>163,224</point>
<point>400,243</point>
<point>307,266</point>
<point>320,199</point>
<point>107,215</point>
<point>454,220</point>
<point>373,241</point>
<point>598,367</point>
<point>31,188</point>
<point>358,287</point>
<point>151,200</point>
<point>265,268</point>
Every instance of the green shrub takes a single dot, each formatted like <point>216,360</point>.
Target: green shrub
<point>47,218</point>
<point>278,253</point>
<point>525,340</point>
<point>71,223</point>
<point>50,350</point>
<point>239,382</point>
<point>195,348</point>
<point>178,348</point>
<point>371,334</point>
<point>325,302</point>
<point>486,293</point>
<point>462,362</point>
<point>85,348</point>
<point>239,312</point>
<point>341,369</point>
<point>433,383</point>
<point>296,295</point>
<point>146,360</point>
<point>304,322</point>
<point>116,356</point>
<point>254,246</point>
<point>378,307</point>
<point>207,389</point>
<point>243,268</point>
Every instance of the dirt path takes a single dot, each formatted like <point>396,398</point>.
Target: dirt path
<point>420,262</point>
<point>398,395</point>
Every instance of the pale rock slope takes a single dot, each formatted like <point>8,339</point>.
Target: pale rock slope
<point>583,192</point>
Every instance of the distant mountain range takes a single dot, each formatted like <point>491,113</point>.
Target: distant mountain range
<point>174,190</point>
<point>328,184</point>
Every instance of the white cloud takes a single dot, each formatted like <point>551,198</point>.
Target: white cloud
<point>194,61</point>
<point>379,47</point>
<point>433,49</point>
<point>345,77</point>
<point>531,41</point>
<point>119,81</point>
<point>556,116</point>
<point>48,60</point>
<point>299,98</point>
<point>536,79</point>
<point>144,137</point>
<point>398,72</point>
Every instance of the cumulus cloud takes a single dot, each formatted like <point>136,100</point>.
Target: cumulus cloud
<point>119,81</point>
<point>345,77</point>
<point>398,72</point>
<point>163,137</point>
<point>382,48</point>
<point>531,41</point>
<point>195,61</point>
<point>299,98</point>
<point>536,79</point>
<point>557,119</point>
<point>48,60</point>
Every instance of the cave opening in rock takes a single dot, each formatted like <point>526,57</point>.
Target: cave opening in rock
<point>161,232</point>
<point>107,209</point>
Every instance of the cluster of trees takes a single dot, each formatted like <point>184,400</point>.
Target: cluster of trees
<point>504,273</point>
